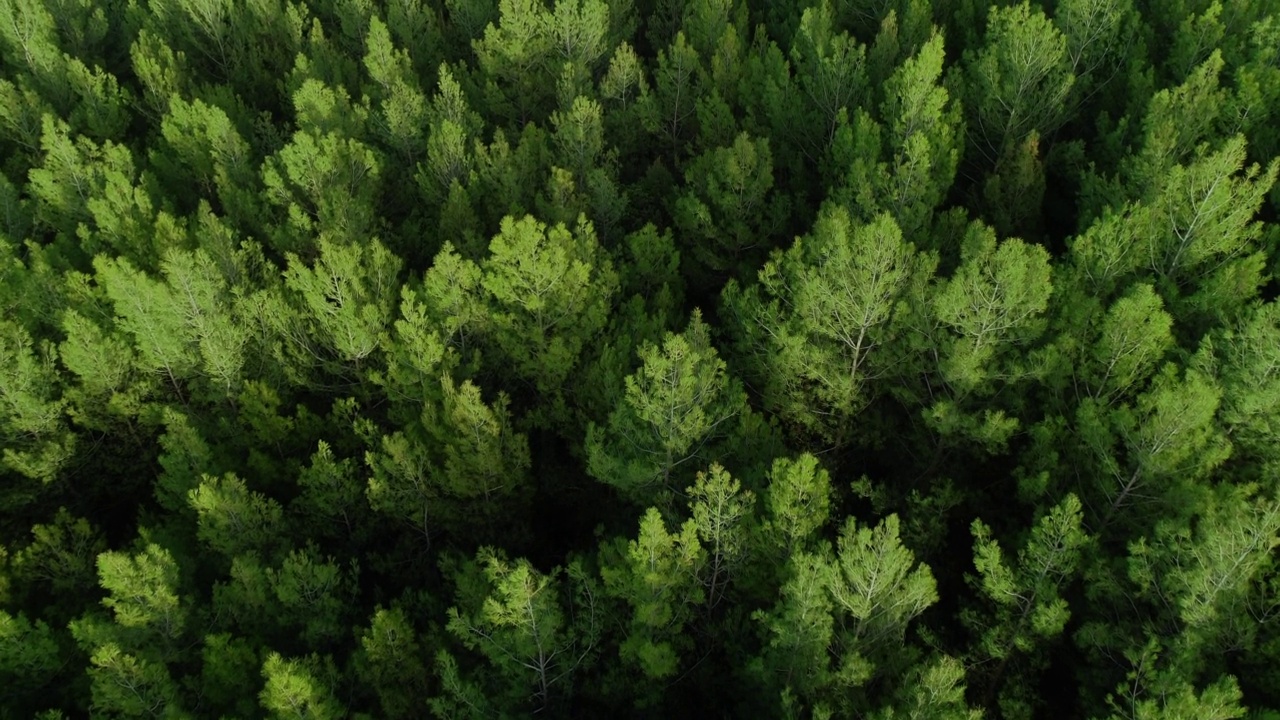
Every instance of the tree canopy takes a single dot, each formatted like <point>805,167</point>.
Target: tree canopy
<point>640,358</point>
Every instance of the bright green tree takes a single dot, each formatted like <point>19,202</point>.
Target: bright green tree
<point>924,129</point>
<point>298,689</point>
<point>234,519</point>
<point>549,291</point>
<point>674,409</point>
<point>1018,82</point>
<point>348,297</point>
<point>519,623</point>
<point>723,514</point>
<point>656,576</point>
<point>798,500</point>
<point>37,441</point>
<point>324,180</point>
<point>879,588</point>
<point>810,333</point>
<point>1025,608</point>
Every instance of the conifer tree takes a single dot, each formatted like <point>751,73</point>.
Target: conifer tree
<point>1027,607</point>
<point>390,661</point>
<point>548,291</point>
<point>36,440</point>
<point>924,128</point>
<point>1018,82</point>
<point>674,409</point>
<point>656,576</point>
<point>810,331</point>
<point>519,624</point>
<point>298,689</point>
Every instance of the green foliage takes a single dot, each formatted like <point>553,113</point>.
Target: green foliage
<point>390,661</point>
<point>142,591</point>
<point>234,519</point>
<point>933,690</point>
<point>402,111</point>
<point>1018,82</point>
<point>466,460</point>
<point>800,628</point>
<point>923,139</point>
<point>36,440</point>
<point>727,212</point>
<point>1027,609</point>
<point>488,358</point>
<point>211,153</point>
<point>722,514</point>
<point>485,459</point>
<point>297,689</point>
<point>330,493</point>
<point>1206,573</point>
<point>229,675</point>
<point>126,684</point>
<point>326,183</point>
<point>811,331</point>
<point>62,555</point>
<point>674,409</point>
<point>1169,439</point>
<point>521,627</point>
<point>28,654</point>
<point>1244,355</point>
<point>995,301</point>
<point>656,575</point>
<point>311,591</point>
<point>881,588</point>
<point>842,617</point>
<point>548,291</point>
<point>349,295</point>
<point>1134,335</point>
<point>798,500</point>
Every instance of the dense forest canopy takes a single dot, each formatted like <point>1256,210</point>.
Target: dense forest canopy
<point>640,358</point>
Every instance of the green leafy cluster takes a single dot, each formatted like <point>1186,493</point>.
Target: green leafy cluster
<point>640,358</point>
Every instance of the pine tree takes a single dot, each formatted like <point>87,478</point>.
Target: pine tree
<point>1246,372</point>
<point>1170,440</point>
<point>297,689</point>
<point>656,576</point>
<point>402,111</point>
<point>1027,609</point>
<point>520,625</point>
<point>1133,337</point>
<point>674,409</point>
<point>810,331</point>
<point>722,514</point>
<point>29,660</point>
<point>234,519</point>
<point>831,75</point>
<point>325,180</point>
<point>548,292</point>
<point>331,498</point>
<point>348,297</point>
<point>390,661</point>
<point>313,595</point>
<point>230,673</point>
<point>798,500</point>
<point>878,587</point>
<point>923,139</point>
<point>727,213</point>
<point>37,442</point>
<point>1018,82</point>
<point>203,146</point>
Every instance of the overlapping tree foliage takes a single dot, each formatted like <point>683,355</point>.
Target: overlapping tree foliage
<point>639,358</point>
